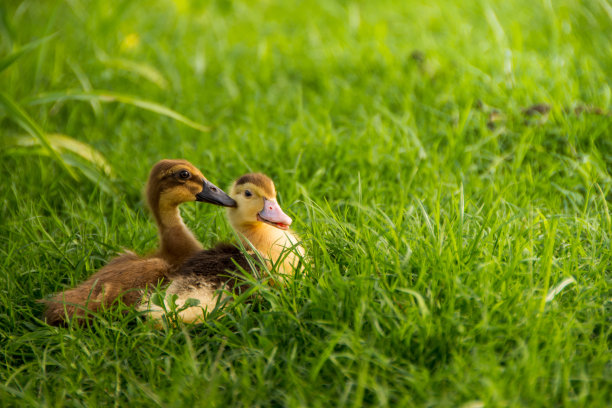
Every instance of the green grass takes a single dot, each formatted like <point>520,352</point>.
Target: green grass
<point>438,216</point>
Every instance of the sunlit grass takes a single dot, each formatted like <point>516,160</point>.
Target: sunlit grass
<point>459,242</point>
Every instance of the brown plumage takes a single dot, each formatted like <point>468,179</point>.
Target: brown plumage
<point>216,267</point>
<point>170,183</point>
<point>261,223</point>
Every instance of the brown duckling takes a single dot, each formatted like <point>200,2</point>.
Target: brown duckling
<point>170,183</point>
<point>261,224</point>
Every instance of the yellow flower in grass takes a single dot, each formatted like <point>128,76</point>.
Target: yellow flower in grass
<point>182,6</point>
<point>130,42</point>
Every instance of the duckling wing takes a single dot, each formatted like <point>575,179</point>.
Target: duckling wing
<point>123,279</point>
<point>216,267</point>
<point>199,278</point>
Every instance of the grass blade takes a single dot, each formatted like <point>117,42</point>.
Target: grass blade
<point>547,260</point>
<point>23,119</point>
<point>86,84</point>
<point>61,142</point>
<point>91,163</point>
<point>107,96</point>
<point>15,55</point>
<point>138,68</point>
<point>557,289</point>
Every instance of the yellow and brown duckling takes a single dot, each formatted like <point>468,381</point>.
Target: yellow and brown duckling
<point>170,183</point>
<point>261,223</point>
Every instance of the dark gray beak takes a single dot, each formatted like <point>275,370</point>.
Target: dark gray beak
<point>214,195</point>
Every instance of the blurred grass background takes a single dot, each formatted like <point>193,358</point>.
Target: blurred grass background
<point>460,241</point>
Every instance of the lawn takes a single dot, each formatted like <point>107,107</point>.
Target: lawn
<point>447,165</point>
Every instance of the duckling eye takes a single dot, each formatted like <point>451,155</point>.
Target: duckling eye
<point>184,174</point>
<point>247,193</point>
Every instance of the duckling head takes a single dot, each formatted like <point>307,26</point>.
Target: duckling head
<point>173,182</point>
<point>255,197</point>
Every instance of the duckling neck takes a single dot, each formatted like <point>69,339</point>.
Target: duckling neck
<point>273,243</point>
<point>177,242</point>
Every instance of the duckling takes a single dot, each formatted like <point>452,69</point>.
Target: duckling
<point>170,183</point>
<point>261,223</point>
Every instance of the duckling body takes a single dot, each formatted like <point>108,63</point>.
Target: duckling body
<point>261,224</point>
<point>171,183</point>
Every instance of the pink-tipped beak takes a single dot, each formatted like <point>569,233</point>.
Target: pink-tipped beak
<point>273,215</point>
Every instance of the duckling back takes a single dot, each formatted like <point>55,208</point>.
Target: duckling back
<point>122,279</point>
